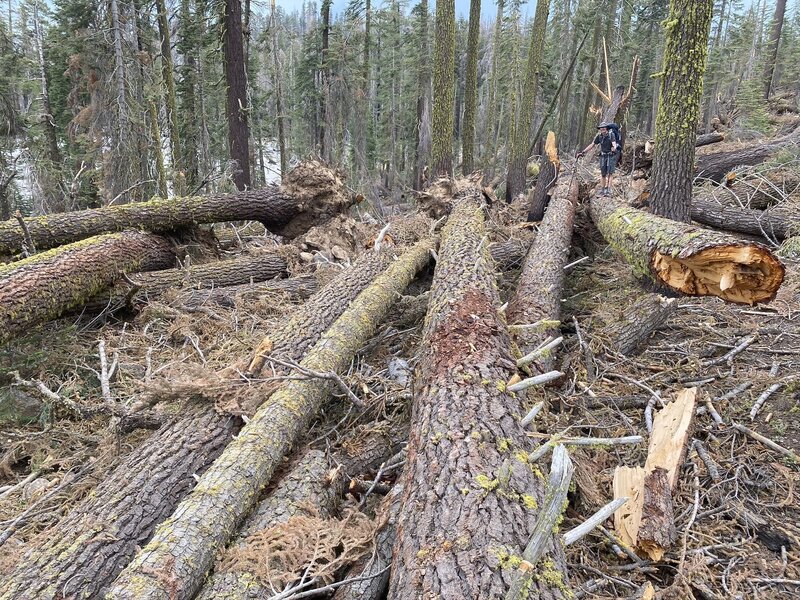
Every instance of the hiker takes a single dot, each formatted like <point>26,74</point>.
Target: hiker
<point>608,140</point>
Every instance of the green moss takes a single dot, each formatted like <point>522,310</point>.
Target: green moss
<point>529,502</point>
<point>487,484</point>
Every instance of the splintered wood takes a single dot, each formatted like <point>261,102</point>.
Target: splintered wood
<point>646,522</point>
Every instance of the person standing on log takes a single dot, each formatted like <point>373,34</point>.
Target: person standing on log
<point>608,140</point>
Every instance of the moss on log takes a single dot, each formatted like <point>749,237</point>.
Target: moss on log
<point>173,564</point>
<point>470,496</point>
<point>311,193</point>
<point>686,259</point>
<point>45,286</point>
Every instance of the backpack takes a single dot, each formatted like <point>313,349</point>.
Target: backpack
<point>616,135</point>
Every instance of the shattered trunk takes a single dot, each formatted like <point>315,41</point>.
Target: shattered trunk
<point>310,194</point>
<point>470,495</point>
<point>45,286</point>
<point>687,260</point>
<point>548,172</point>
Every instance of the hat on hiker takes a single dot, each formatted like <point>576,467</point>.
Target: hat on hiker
<point>603,126</point>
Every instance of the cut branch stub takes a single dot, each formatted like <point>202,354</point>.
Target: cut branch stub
<point>686,259</point>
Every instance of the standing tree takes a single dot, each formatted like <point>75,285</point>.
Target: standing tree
<point>236,96</point>
<point>471,91</point>
<point>774,42</point>
<point>685,56</point>
<point>520,138</point>
<point>444,53</point>
<point>167,70</point>
<point>421,123</point>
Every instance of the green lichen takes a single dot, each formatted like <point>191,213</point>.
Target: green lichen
<point>487,484</point>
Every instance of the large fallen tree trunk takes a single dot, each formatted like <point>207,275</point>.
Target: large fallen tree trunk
<point>143,287</point>
<point>707,139</point>
<point>634,326</point>
<point>294,287</point>
<point>548,172</point>
<point>771,224</point>
<point>640,155</point>
<point>510,254</point>
<point>45,286</point>
<point>71,558</point>
<point>311,193</point>
<point>173,564</point>
<point>538,294</point>
<point>470,497</point>
<point>716,166</point>
<point>686,259</point>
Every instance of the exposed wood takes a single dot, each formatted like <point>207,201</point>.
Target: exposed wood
<point>538,293</point>
<point>686,259</point>
<point>174,563</point>
<point>145,489</point>
<point>470,498</point>
<point>548,172</point>
<point>635,325</point>
<point>775,224</point>
<point>310,194</point>
<point>45,286</point>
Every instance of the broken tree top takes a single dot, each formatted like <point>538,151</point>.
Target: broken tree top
<point>311,193</point>
<point>687,259</point>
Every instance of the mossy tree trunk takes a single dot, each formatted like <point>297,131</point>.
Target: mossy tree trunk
<point>469,494</point>
<point>686,260</point>
<point>174,563</point>
<point>471,89</point>
<point>145,489</point>
<point>685,57</point>
<point>310,194</point>
<point>523,127</point>
<point>444,51</point>
<point>45,286</point>
<point>422,134</point>
<point>167,70</point>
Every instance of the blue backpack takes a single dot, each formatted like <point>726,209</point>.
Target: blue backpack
<point>616,135</point>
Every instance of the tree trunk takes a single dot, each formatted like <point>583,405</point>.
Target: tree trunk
<point>471,89</point>
<point>225,273</point>
<point>538,294</point>
<point>509,254</point>
<point>184,547</point>
<point>145,489</point>
<point>494,77</point>
<point>469,500</point>
<point>679,107</point>
<point>774,42</point>
<point>772,224</point>
<point>54,154</point>
<point>688,260</point>
<point>167,71</point>
<point>708,138</point>
<point>309,195</point>
<point>295,288</point>
<point>325,109</point>
<point>45,286</point>
<point>444,51</point>
<point>716,166</point>
<point>758,192</point>
<point>189,124</point>
<point>548,172</point>
<point>640,156</point>
<point>236,94</point>
<point>119,73</point>
<point>523,127</point>
<point>278,93</point>
<point>638,321</point>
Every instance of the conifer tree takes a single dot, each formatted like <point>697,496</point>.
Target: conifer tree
<point>443,88</point>
<point>471,88</point>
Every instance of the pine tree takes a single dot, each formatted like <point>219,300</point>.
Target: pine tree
<point>774,42</point>
<point>236,96</point>
<point>443,88</point>
<point>471,88</point>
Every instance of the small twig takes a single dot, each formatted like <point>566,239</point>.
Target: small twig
<point>105,373</point>
<point>372,487</point>
<point>50,395</point>
<point>330,376</point>
<point>338,584</point>
<point>528,419</point>
<point>381,237</point>
<point>713,412</point>
<point>542,350</point>
<point>537,380</point>
<point>539,325</point>
<point>597,441</point>
<point>729,356</point>
<point>761,400</point>
<point>30,248</point>
<point>596,519</point>
<point>12,488</point>
<point>711,466</point>
<point>766,441</point>
<point>576,262</point>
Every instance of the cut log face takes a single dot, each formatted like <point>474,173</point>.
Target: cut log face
<point>45,286</point>
<point>686,259</point>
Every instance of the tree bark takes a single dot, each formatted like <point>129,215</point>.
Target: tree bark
<point>444,50</point>
<point>174,563</point>
<point>708,138</point>
<point>48,120</point>
<point>758,193</point>
<point>278,92</point>
<point>471,89</point>
<point>687,260</point>
<point>685,57</point>
<point>167,71</point>
<point>774,42</point>
<point>309,195</point>
<point>510,254</point>
<point>548,172</point>
<point>470,497</point>
<point>45,286</point>
<point>634,326</point>
<point>772,224</point>
<point>538,293</point>
<point>295,288</point>
<point>523,127</point>
<point>716,166</point>
<point>146,488</point>
<point>236,93</point>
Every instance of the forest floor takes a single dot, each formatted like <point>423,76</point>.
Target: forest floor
<point>737,515</point>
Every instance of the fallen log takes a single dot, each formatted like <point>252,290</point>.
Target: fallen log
<point>772,224</point>
<point>175,561</point>
<point>71,557</point>
<point>509,255</point>
<point>635,325</point>
<point>45,286</point>
<point>538,294</point>
<point>640,154</point>
<point>548,172</point>
<point>716,166</point>
<point>143,287</point>
<point>469,495</point>
<point>686,259</point>
<point>706,139</point>
<point>295,288</point>
<point>311,193</point>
